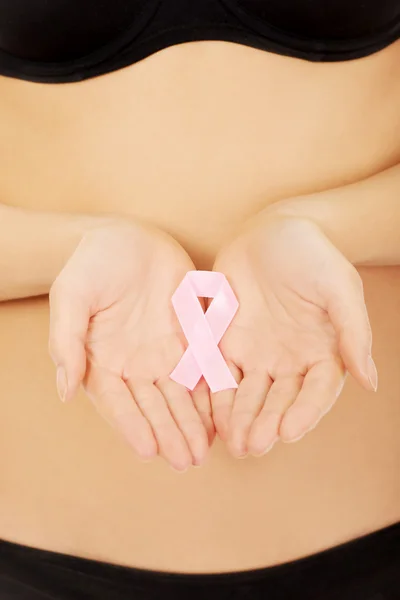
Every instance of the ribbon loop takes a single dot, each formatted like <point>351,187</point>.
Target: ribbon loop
<point>204,331</point>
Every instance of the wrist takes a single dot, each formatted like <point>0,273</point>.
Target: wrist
<point>37,245</point>
<point>66,231</point>
<point>361,219</point>
<point>326,210</point>
<point>70,230</point>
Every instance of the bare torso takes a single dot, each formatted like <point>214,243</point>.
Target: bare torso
<point>194,139</point>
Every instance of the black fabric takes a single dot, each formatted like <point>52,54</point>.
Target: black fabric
<point>70,40</point>
<point>365,569</point>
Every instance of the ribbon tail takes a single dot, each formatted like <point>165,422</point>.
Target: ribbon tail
<point>210,360</point>
<point>187,372</point>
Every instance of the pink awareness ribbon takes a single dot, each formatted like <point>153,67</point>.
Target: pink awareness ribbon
<point>204,331</point>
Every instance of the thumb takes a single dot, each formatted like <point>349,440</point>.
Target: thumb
<point>69,321</point>
<point>348,313</point>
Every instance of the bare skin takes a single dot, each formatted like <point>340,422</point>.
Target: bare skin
<point>151,141</point>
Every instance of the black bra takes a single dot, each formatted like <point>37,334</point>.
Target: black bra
<point>70,40</point>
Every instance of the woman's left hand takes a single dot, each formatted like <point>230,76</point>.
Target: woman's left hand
<point>301,324</point>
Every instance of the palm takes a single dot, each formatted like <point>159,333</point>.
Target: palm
<point>133,341</point>
<point>138,336</point>
<point>281,337</point>
<point>284,341</point>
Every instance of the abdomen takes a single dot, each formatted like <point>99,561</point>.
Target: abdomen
<point>195,139</point>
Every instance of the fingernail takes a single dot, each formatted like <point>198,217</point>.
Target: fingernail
<point>295,439</point>
<point>244,454</point>
<point>62,383</point>
<point>269,448</point>
<point>180,471</point>
<point>372,374</point>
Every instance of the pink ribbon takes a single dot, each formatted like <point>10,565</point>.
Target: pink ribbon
<point>204,331</point>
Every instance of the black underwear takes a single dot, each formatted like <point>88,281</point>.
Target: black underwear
<point>367,568</point>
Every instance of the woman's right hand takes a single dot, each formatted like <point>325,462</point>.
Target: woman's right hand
<point>113,328</point>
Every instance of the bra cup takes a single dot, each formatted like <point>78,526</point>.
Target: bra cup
<point>66,30</point>
<point>317,19</point>
<point>150,26</point>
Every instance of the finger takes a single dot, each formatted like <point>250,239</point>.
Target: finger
<point>186,417</point>
<point>321,387</point>
<point>265,430</point>
<point>171,442</point>
<point>349,316</point>
<point>115,403</point>
<point>250,397</point>
<point>202,400</point>
<point>69,321</point>
<point>222,403</point>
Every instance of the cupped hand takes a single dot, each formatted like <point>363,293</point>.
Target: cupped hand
<point>302,323</point>
<point>113,328</point>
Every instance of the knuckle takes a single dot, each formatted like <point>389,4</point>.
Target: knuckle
<point>278,390</point>
<point>270,415</point>
<point>109,403</point>
<point>269,421</point>
<point>148,402</point>
<point>193,425</point>
<point>278,398</point>
<point>195,433</point>
<point>242,416</point>
<point>164,427</point>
